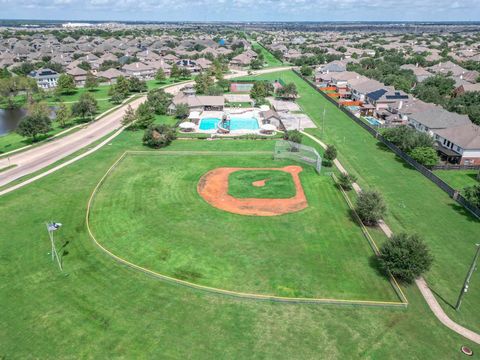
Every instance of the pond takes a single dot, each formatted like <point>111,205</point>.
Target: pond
<point>10,118</point>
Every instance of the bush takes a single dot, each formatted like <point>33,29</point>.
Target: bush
<point>424,155</point>
<point>330,153</point>
<point>407,138</point>
<point>472,194</point>
<point>158,136</point>
<point>346,180</point>
<point>406,257</point>
<point>370,207</point>
<point>293,136</point>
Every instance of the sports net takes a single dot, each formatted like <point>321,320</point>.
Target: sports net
<point>305,154</point>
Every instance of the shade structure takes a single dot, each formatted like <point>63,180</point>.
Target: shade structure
<point>187,125</point>
<point>268,127</point>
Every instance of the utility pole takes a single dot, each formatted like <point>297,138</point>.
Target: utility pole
<point>467,279</point>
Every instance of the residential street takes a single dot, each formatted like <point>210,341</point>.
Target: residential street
<point>37,158</point>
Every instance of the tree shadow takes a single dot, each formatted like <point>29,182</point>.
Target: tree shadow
<point>374,264</point>
<point>474,176</point>
<point>462,211</point>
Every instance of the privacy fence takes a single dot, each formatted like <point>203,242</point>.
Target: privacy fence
<point>454,194</point>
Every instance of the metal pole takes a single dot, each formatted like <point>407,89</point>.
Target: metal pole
<point>467,279</point>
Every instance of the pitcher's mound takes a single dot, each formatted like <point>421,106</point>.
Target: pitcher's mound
<point>213,187</point>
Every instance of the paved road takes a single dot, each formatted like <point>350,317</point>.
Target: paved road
<point>39,157</point>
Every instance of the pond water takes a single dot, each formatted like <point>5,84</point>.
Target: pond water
<point>10,118</point>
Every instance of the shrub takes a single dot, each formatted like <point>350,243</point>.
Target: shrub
<point>370,207</point>
<point>330,153</point>
<point>293,136</point>
<point>158,136</point>
<point>406,257</point>
<point>346,180</point>
<point>424,155</point>
<point>182,111</point>
<point>472,194</point>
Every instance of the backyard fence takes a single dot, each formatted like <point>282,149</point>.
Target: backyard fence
<point>454,194</point>
<point>305,154</point>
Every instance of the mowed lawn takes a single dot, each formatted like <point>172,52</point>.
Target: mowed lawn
<point>262,184</point>
<point>270,60</point>
<point>148,212</point>
<point>459,179</point>
<point>99,309</point>
<point>414,203</point>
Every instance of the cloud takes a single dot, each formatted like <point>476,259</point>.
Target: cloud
<point>281,10</point>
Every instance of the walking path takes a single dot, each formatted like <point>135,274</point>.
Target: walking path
<point>39,157</point>
<point>420,282</point>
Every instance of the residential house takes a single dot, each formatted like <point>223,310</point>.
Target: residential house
<point>78,74</point>
<point>110,75</point>
<point>436,118</point>
<point>45,78</point>
<point>139,70</point>
<point>459,144</point>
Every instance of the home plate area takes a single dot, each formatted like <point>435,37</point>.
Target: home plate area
<point>254,191</point>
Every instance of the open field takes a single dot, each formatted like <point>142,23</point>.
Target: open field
<point>171,230</point>
<point>414,203</point>
<point>270,60</point>
<point>459,179</point>
<point>100,309</point>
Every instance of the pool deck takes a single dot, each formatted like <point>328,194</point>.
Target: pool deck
<point>246,113</point>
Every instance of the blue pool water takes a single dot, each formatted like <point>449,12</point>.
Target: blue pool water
<point>208,123</point>
<point>233,124</point>
<point>372,120</point>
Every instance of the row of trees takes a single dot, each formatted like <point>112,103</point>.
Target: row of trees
<point>417,144</point>
<point>123,87</point>
<point>39,122</point>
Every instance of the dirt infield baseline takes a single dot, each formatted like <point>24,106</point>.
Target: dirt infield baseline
<point>213,188</point>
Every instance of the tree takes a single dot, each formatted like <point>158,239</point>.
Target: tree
<point>472,194</point>
<point>345,180</point>
<point>175,71</point>
<point>256,64</point>
<point>65,84</point>
<point>160,76</point>
<point>36,122</point>
<point>288,91</point>
<point>159,100</point>
<point>120,90</point>
<point>407,138</point>
<point>293,136</point>
<point>370,207</point>
<point>306,70</point>
<point>405,256</point>
<point>91,82</point>
<point>136,85</point>
<point>129,117</point>
<point>330,153</point>
<point>260,90</point>
<point>202,82</point>
<point>145,116</point>
<point>63,114</point>
<point>182,111</point>
<point>85,107</point>
<point>425,155</point>
<point>158,136</point>
<point>184,73</point>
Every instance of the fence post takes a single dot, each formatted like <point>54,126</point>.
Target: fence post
<point>455,195</point>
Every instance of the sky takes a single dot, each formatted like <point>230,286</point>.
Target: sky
<point>243,10</point>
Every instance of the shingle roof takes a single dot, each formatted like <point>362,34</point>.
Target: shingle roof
<point>466,136</point>
<point>438,118</point>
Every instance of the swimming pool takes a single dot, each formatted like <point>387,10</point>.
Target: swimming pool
<point>232,124</point>
<point>208,123</point>
<point>372,121</point>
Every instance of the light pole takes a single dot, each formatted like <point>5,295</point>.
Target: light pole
<point>467,279</point>
<point>51,228</point>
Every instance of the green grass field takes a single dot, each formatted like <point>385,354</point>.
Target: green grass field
<point>170,229</point>
<point>414,203</point>
<point>459,179</point>
<point>98,308</point>
<point>270,60</point>
<point>278,184</point>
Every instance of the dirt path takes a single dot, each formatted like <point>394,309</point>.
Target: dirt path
<point>421,283</point>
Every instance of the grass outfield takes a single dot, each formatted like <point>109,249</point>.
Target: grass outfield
<point>414,203</point>
<point>148,212</point>
<point>100,309</point>
<point>459,179</point>
<point>277,184</point>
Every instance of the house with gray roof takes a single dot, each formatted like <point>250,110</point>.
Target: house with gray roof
<point>45,78</point>
<point>434,119</point>
<point>459,144</point>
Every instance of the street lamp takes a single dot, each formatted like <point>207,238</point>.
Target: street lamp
<point>51,228</point>
<point>467,279</point>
